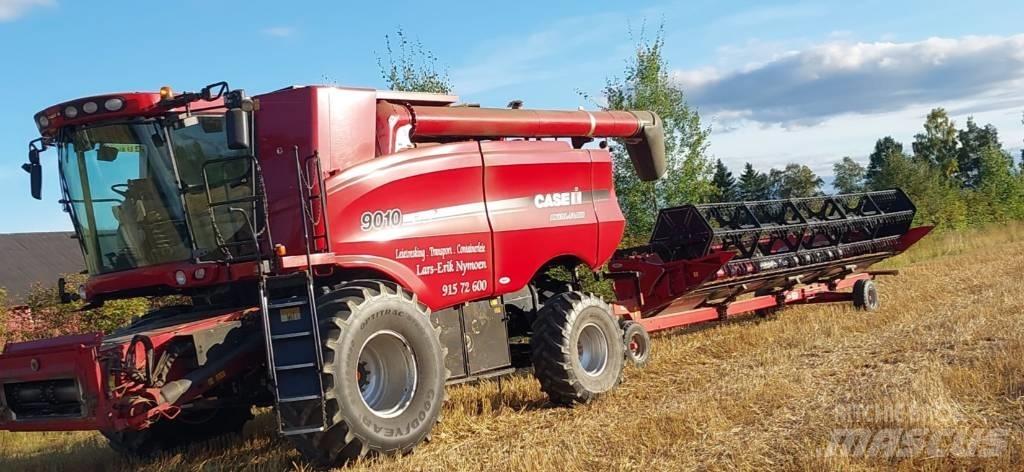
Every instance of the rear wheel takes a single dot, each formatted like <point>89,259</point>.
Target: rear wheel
<point>865,295</point>
<point>384,374</point>
<point>577,348</point>
<point>187,428</point>
<point>637,343</point>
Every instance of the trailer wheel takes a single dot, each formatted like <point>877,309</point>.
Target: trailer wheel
<point>384,374</point>
<point>576,348</point>
<point>865,295</point>
<point>637,343</point>
<point>185,429</point>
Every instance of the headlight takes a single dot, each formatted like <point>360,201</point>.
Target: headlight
<point>180,277</point>
<point>70,111</point>
<point>90,107</point>
<point>113,104</point>
<point>247,105</point>
<point>81,292</point>
<point>43,122</point>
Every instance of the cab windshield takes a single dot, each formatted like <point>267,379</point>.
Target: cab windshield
<point>121,185</point>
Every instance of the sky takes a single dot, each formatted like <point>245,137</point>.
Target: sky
<point>778,81</point>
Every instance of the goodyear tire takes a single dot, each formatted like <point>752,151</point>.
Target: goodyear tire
<point>384,374</point>
<point>187,428</point>
<point>865,295</point>
<point>637,343</point>
<point>576,348</point>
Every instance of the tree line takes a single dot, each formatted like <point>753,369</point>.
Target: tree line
<point>957,177</point>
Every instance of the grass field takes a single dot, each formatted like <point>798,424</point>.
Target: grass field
<point>943,358</point>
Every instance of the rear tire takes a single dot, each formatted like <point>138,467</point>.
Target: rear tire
<point>576,348</point>
<point>384,375</point>
<point>637,343</point>
<point>865,295</point>
<point>187,428</point>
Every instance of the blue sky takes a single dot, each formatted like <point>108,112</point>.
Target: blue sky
<point>779,82</point>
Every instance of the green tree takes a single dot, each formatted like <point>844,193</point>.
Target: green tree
<point>937,199</point>
<point>753,185</point>
<point>975,142</point>
<point>884,149</point>
<point>999,193</point>
<point>411,67</point>
<point>647,85</point>
<point>938,144</point>
<point>849,176</point>
<point>725,183</point>
<point>795,181</point>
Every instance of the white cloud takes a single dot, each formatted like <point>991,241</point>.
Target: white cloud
<point>13,9</point>
<point>806,87</point>
<point>279,31</point>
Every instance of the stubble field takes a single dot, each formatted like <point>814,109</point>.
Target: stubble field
<point>933,381</point>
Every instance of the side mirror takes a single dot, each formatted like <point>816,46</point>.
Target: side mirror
<point>63,294</point>
<point>214,91</point>
<point>107,153</point>
<point>35,172</point>
<point>236,128</point>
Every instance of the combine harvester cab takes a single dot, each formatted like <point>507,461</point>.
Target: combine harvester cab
<point>704,261</point>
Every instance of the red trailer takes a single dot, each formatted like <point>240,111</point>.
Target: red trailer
<point>349,252</point>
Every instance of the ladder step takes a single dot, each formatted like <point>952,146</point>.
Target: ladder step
<point>287,303</point>
<point>295,366</point>
<point>298,399</point>
<point>291,335</point>
<point>303,430</point>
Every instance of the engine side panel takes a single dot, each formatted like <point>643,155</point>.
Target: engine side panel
<point>465,221</point>
<point>540,201</point>
<point>418,216</point>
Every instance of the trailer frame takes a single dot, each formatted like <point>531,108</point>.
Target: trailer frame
<point>822,292</point>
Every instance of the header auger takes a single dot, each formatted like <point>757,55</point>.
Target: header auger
<point>349,252</point>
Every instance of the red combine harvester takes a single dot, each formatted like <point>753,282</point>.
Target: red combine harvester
<point>349,252</point>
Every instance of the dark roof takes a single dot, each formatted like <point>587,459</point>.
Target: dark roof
<point>27,258</point>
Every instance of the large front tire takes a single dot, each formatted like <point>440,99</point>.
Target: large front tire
<point>384,374</point>
<point>577,348</point>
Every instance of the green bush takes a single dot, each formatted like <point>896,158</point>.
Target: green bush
<point>53,318</point>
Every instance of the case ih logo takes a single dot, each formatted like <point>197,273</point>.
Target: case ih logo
<point>548,200</point>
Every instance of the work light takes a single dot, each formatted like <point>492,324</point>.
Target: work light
<point>113,104</point>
